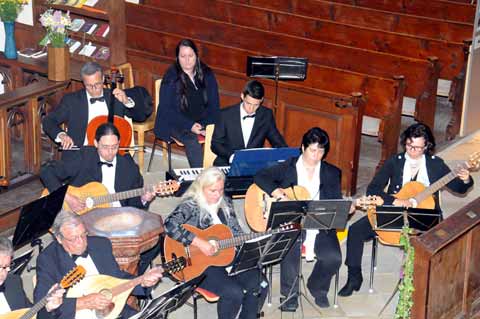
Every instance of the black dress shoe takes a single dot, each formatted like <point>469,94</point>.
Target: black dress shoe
<point>290,306</point>
<point>351,286</point>
<point>322,301</point>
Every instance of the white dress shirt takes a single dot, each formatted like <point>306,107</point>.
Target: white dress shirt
<point>4,306</point>
<point>108,178</point>
<point>247,125</point>
<point>313,187</point>
<point>90,270</point>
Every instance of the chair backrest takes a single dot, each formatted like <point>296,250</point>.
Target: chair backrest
<point>156,101</point>
<point>127,71</point>
<point>208,155</point>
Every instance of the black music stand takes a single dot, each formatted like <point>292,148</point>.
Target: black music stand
<point>393,218</point>
<point>277,68</point>
<point>169,300</point>
<point>35,219</point>
<point>311,214</point>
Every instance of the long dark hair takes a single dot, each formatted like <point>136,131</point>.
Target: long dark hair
<point>201,69</point>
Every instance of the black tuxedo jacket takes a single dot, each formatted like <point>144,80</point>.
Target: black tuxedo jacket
<point>284,175</point>
<point>85,169</point>
<point>391,174</point>
<point>228,138</point>
<point>73,111</point>
<point>54,263</point>
<point>14,293</point>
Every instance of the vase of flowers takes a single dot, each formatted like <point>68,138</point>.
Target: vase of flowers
<point>56,23</point>
<point>9,10</point>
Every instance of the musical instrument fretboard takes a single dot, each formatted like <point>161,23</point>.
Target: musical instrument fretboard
<point>190,174</point>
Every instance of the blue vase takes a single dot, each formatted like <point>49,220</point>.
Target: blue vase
<point>10,46</point>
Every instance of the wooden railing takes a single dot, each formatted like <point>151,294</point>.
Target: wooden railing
<point>20,107</point>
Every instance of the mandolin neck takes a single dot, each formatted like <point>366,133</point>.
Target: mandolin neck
<point>37,307</point>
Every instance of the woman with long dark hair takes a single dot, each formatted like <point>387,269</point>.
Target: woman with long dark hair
<point>188,101</point>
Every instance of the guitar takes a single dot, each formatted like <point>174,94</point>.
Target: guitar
<point>258,203</point>
<point>197,262</point>
<point>96,195</point>
<point>116,289</point>
<point>422,195</point>
<point>70,279</point>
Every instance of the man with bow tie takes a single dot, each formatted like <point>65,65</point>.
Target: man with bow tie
<point>77,109</point>
<point>74,247</point>
<point>245,125</point>
<point>101,163</point>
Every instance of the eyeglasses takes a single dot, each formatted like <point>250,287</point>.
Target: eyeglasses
<point>109,147</point>
<point>94,85</point>
<point>416,148</point>
<point>73,239</point>
<point>7,267</point>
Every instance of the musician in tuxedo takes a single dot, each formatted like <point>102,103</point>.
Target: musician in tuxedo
<point>72,246</point>
<point>203,205</point>
<point>101,163</point>
<point>12,295</point>
<point>323,181</point>
<point>245,125</point>
<point>77,109</point>
<point>416,163</point>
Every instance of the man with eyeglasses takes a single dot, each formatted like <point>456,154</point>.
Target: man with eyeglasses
<point>74,247</point>
<point>245,125</point>
<point>101,163</point>
<point>416,163</point>
<point>12,296</point>
<point>77,109</point>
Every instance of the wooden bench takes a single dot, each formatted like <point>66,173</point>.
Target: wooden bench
<point>386,21</point>
<point>445,10</point>
<point>420,77</point>
<point>384,96</point>
<point>298,109</point>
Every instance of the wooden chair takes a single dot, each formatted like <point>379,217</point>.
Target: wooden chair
<point>205,294</point>
<point>143,127</point>
<point>208,155</point>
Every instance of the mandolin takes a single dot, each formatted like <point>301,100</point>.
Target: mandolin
<point>197,262</point>
<point>116,289</point>
<point>423,197</point>
<point>96,195</point>
<point>70,279</point>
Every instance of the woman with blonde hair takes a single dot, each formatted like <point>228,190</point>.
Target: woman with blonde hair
<point>202,206</point>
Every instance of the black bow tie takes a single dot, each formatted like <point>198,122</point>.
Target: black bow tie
<point>95,99</point>
<point>100,163</point>
<point>249,116</point>
<point>83,255</point>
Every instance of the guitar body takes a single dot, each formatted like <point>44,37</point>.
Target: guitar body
<point>16,314</point>
<point>257,204</point>
<point>91,189</point>
<point>409,190</point>
<point>197,262</point>
<point>123,126</point>
<point>99,283</point>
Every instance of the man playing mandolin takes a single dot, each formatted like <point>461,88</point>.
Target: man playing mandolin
<point>12,296</point>
<point>73,247</point>
<point>416,163</point>
<point>204,205</point>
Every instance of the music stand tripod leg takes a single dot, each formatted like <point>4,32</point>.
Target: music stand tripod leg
<point>391,297</point>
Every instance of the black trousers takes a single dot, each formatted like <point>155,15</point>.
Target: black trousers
<point>358,234</point>
<point>193,149</point>
<point>246,291</point>
<point>329,259</point>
